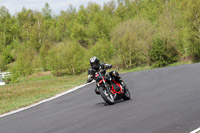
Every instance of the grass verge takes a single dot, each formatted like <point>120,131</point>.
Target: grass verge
<point>34,89</point>
<point>39,87</point>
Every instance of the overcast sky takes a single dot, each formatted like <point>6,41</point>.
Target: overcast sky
<point>56,5</point>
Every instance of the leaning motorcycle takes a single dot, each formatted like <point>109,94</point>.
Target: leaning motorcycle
<point>109,89</point>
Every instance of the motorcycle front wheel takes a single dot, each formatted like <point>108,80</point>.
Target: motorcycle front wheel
<point>106,95</point>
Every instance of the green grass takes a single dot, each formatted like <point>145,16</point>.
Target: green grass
<point>150,67</point>
<point>37,87</point>
<point>179,63</point>
<point>135,69</point>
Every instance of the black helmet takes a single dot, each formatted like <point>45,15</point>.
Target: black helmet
<point>94,62</point>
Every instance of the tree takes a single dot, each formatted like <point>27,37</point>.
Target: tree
<point>193,20</point>
<point>133,40</point>
<point>82,16</point>
<point>109,8</point>
<point>46,46</point>
<point>66,58</point>
<point>5,20</point>
<point>79,34</point>
<point>121,10</point>
<point>25,63</point>
<point>46,11</point>
<point>6,58</point>
<point>64,25</point>
<point>37,34</point>
<point>164,50</point>
<point>103,49</point>
<point>26,21</point>
<point>151,9</point>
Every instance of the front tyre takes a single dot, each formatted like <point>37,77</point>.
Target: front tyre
<point>126,95</point>
<point>107,96</point>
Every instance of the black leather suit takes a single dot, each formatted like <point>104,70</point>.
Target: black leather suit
<point>103,66</point>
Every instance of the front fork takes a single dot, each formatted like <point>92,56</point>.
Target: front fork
<point>107,87</point>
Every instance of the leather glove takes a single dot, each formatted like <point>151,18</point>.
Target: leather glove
<point>89,80</point>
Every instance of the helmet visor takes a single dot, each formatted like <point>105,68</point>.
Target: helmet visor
<point>95,66</point>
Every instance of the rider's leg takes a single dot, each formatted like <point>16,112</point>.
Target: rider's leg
<point>97,90</point>
<point>115,74</point>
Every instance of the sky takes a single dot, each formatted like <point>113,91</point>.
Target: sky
<point>56,6</point>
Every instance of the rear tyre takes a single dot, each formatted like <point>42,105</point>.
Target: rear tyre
<point>107,96</point>
<point>126,95</point>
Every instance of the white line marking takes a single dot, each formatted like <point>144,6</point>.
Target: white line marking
<point>195,131</point>
<point>43,101</point>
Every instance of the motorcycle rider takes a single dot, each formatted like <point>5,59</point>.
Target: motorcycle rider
<point>96,66</point>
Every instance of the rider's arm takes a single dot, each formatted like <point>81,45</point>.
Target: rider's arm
<point>90,75</point>
<point>107,66</point>
<point>89,80</point>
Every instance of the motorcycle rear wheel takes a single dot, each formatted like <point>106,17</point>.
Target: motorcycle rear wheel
<point>107,96</point>
<point>126,95</point>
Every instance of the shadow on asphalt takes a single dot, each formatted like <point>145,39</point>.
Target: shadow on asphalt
<point>105,104</point>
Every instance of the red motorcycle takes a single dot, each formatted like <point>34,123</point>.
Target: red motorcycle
<point>110,90</point>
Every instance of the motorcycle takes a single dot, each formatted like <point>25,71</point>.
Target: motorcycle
<point>110,90</point>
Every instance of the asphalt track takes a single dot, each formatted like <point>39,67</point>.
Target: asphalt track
<point>165,100</point>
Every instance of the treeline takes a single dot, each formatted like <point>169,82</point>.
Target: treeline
<point>126,33</point>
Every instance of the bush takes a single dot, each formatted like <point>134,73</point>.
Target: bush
<point>67,58</point>
<point>161,55</point>
<point>132,40</point>
<point>44,54</point>
<point>165,45</point>
<point>103,49</point>
<point>6,58</point>
<point>27,63</point>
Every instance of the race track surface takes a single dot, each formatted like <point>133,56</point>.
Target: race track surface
<point>165,100</point>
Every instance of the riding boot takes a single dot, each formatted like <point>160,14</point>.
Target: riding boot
<point>97,91</point>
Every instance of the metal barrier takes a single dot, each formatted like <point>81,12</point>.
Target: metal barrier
<point>4,75</point>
